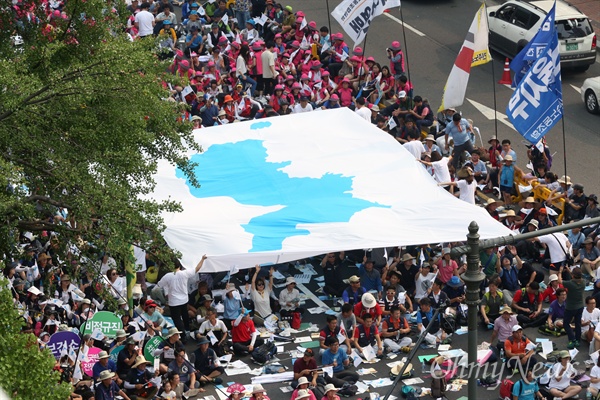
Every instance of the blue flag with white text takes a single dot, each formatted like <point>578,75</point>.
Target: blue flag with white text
<point>536,104</point>
<point>523,61</point>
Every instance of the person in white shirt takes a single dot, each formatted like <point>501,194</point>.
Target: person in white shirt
<point>561,374</point>
<point>362,110</point>
<point>467,186</point>
<point>144,21</point>
<point>414,146</point>
<point>289,298</point>
<point>559,246</point>
<point>175,285</point>
<point>303,106</point>
<point>589,321</point>
<point>594,387</point>
<point>261,295</point>
<point>439,165</point>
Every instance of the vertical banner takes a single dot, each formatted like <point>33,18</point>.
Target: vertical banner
<point>473,52</point>
<point>355,16</point>
<point>523,61</point>
<point>536,104</point>
<point>130,271</point>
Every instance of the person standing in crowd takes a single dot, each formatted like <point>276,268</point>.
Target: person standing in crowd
<point>574,305</point>
<point>176,285</point>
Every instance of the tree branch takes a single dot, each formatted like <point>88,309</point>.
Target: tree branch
<point>44,226</point>
<point>45,199</point>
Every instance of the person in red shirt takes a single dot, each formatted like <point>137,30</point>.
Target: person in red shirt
<point>244,335</point>
<point>305,367</point>
<point>519,350</point>
<point>367,305</point>
<point>553,286</point>
<point>528,303</point>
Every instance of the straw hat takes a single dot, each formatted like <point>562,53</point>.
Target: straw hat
<point>139,360</point>
<point>329,387</point>
<point>106,374</point>
<point>368,301</point>
<point>258,389</point>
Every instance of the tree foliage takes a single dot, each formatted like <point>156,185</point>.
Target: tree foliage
<point>82,125</point>
<point>25,372</point>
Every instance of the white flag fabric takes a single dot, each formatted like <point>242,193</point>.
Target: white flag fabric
<point>281,189</point>
<point>355,16</point>
<point>473,52</point>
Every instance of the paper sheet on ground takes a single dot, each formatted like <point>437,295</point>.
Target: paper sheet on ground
<point>547,347</point>
<point>369,352</point>
<point>427,357</point>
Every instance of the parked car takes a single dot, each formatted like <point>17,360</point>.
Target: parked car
<point>590,93</point>
<point>513,24</point>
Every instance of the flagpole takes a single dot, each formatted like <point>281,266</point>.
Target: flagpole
<point>363,57</point>
<point>564,142</point>
<point>405,46</point>
<point>329,22</point>
<point>495,106</point>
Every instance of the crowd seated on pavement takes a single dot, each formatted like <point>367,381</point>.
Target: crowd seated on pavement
<point>237,69</point>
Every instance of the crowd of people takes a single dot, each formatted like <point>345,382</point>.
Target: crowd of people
<point>236,66</point>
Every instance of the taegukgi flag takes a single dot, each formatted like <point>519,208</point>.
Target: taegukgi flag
<point>523,61</point>
<point>473,52</point>
<point>355,16</point>
<point>536,104</point>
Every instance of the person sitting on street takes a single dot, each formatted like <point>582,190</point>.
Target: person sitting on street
<point>561,374</point>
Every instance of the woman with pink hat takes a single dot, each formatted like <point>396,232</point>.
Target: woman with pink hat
<point>396,57</point>
<point>345,92</point>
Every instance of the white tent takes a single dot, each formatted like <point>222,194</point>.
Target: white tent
<point>285,188</point>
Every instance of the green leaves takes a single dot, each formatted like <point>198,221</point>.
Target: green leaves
<point>25,372</point>
<point>82,124</point>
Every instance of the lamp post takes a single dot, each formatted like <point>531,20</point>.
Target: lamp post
<point>473,277</point>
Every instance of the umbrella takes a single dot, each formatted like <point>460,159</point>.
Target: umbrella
<point>236,388</point>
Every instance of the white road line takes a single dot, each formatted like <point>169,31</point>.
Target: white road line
<point>576,88</point>
<point>410,28</point>
<point>490,114</point>
<point>510,87</point>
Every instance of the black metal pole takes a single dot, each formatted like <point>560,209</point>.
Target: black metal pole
<point>329,23</point>
<point>405,52</point>
<point>413,351</point>
<point>511,239</point>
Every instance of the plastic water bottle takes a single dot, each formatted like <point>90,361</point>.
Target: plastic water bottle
<point>588,394</point>
<point>423,367</point>
<point>502,355</point>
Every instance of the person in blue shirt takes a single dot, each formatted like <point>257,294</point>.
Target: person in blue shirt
<point>333,357</point>
<point>556,312</point>
<point>105,364</point>
<point>193,41</point>
<point>353,293</point>
<point>209,112</point>
<point>232,306</point>
<point>526,388</point>
<point>370,277</point>
<point>333,102</point>
<point>460,131</point>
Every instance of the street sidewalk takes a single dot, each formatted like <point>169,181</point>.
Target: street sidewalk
<point>591,8</point>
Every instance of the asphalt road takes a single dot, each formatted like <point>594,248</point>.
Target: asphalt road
<point>436,33</point>
<point>432,37</point>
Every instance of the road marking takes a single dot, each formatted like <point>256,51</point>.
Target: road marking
<point>510,87</point>
<point>490,114</point>
<point>410,28</point>
<point>577,89</point>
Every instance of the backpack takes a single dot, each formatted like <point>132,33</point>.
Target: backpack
<point>506,387</point>
<point>263,353</point>
<point>348,390</point>
<point>296,320</point>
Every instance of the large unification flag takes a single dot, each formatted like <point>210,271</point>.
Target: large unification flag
<point>355,16</point>
<point>473,52</point>
<point>523,61</point>
<point>536,104</point>
<point>280,189</point>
